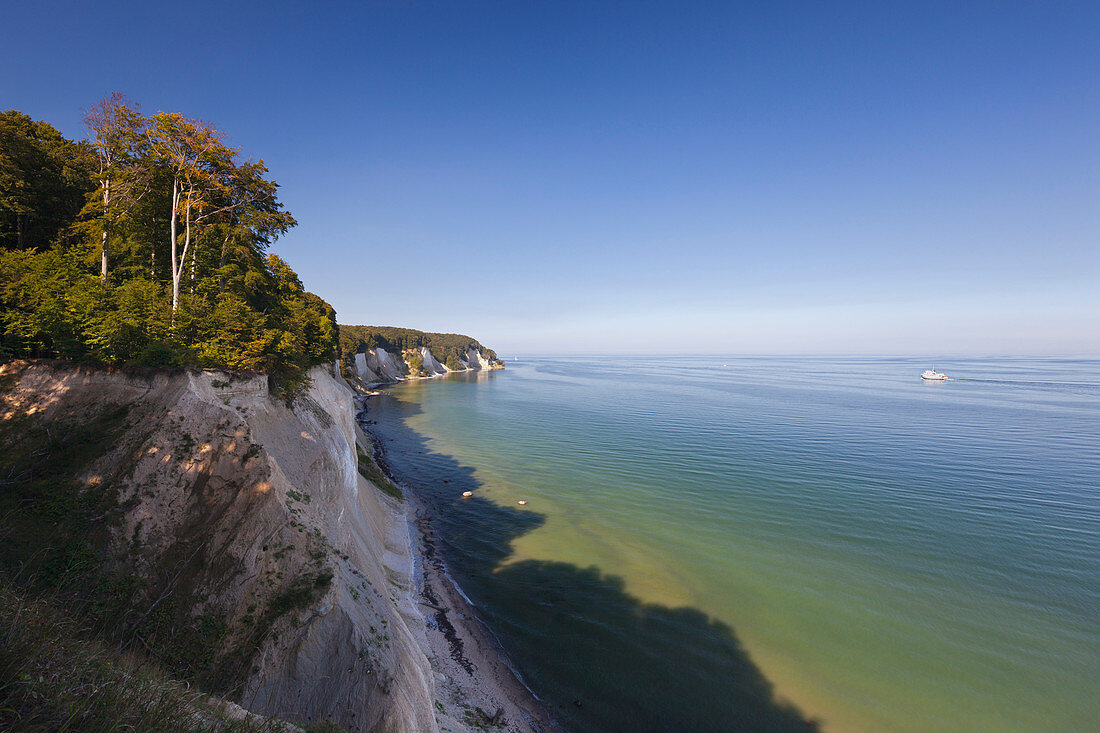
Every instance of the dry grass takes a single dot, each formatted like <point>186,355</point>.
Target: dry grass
<point>53,677</point>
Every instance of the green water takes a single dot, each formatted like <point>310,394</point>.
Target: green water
<point>752,546</point>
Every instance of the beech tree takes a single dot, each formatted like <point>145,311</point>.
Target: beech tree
<point>210,187</point>
<point>117,129</point>
<point>186,148</point>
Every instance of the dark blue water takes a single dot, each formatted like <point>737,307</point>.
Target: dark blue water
<point>747,543</point>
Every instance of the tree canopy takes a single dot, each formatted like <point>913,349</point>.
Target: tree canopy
<point>149,245</point>
<point>44,180</point>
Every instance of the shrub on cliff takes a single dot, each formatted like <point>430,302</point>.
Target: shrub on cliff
<point>415,362</point>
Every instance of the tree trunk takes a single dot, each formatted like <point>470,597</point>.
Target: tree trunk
<point>153,253</point>
<point>106,224</point>
<point>186,237</point>
<point>172,234</point>
<point>194,258</point>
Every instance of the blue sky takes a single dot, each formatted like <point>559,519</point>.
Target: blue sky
<point>638,176</point>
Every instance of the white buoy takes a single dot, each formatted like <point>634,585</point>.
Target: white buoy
<point>467,494</point>
<point>521,502</point>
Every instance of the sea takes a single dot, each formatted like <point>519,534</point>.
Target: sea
<point>725,543</point>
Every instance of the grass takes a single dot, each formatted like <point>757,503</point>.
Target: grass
<point>369,470</point>
<point>54,678</point>
<point>57,544</point>
<point>325,726</point>
<point>478,719</point>
<point>49,521</point>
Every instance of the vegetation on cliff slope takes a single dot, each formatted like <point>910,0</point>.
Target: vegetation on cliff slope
<point>113,616</point>
<point>448,348</point>
<point>148,244</point>
<point>53,678</point>
<point>371,471</point>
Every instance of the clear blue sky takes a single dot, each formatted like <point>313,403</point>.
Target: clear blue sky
<point>637,176</point>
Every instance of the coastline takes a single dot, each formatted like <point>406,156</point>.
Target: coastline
<point>477,686</point>
<point>373,387</point>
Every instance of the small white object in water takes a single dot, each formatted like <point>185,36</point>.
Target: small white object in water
<point>467,494</point>
<point>521,502</point>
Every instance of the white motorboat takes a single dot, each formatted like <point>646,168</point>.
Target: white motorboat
<point>933,376</point>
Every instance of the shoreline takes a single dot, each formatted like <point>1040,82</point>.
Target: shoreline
<point>373,387</point>
<point>477,685</point>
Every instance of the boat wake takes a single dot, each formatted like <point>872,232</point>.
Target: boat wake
<point>1031,383</point>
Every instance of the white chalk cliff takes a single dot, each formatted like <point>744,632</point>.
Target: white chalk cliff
<point>260,501</point>
<point>430,364</point>
<point>377,365</point>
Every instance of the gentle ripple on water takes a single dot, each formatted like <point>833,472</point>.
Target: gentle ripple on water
<point>887,554</point>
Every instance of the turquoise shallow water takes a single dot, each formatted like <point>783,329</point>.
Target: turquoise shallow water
<point>749,543</point>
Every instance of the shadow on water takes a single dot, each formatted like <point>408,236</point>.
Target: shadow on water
<point>602,659</point>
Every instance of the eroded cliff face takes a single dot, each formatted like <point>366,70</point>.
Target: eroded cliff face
<point>431,366</point>
<point>378,365</point>
<point>248,521</point>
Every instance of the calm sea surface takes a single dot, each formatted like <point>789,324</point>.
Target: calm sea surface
<point>740,543</point>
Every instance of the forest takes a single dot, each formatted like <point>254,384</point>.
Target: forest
<point>448,348</point>
<point>147,244</point>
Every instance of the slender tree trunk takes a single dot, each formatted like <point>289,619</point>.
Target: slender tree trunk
<point>178,262</point>
<point>106,225</point>
<point>153,253</point>
<point>172,234</point>
<point>186,236</point>
<point>194,258</point>
<point>19,230</point>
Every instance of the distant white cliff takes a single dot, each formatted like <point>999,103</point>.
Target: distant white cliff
<point>377,365</point>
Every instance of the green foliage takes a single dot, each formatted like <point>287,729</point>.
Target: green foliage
<point>301,592</point>
<point>415,362</point>
<point>448,348</point>
<point>325,726</point>
<point>44,179</point>
<point>232,305</point>
<point>478,719</point>
<point>370,470</point>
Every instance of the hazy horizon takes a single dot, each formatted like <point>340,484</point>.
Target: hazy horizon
<point>612,177</point>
